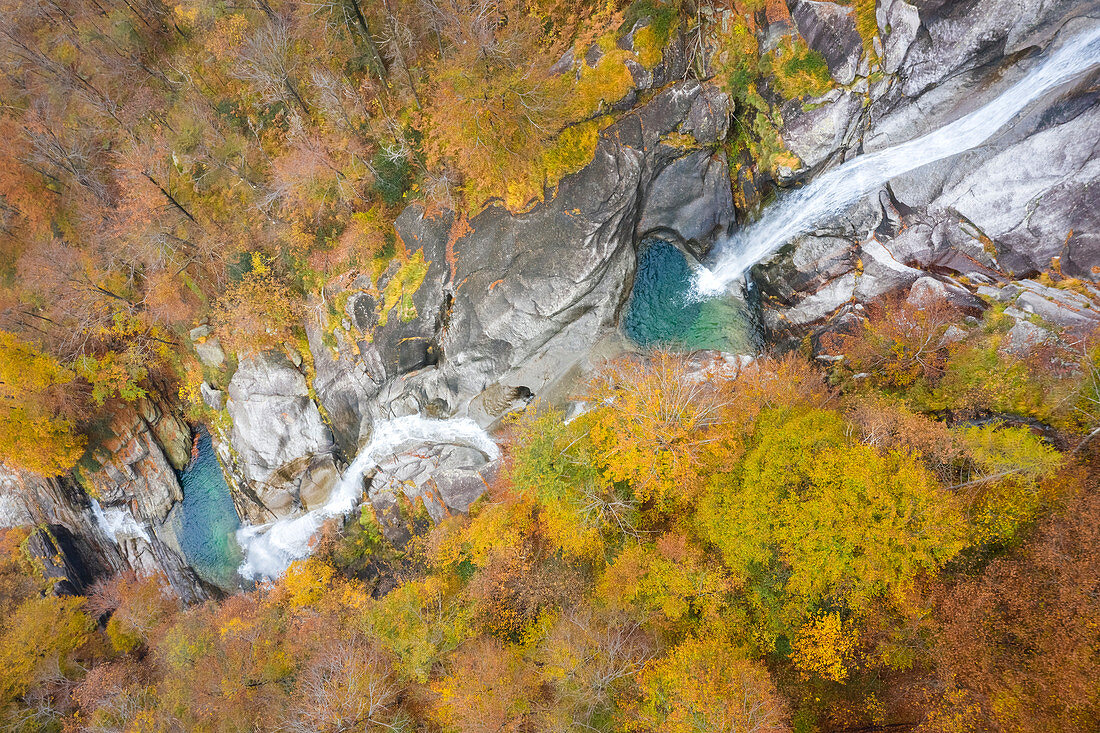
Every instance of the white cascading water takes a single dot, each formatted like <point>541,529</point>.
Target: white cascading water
<point>115,521</point>
<point>269,549</point>
<point>834,191</point>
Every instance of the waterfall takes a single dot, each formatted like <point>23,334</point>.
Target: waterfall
<point>270,548</point>
<point>115,521</point>
<point>834,191</point>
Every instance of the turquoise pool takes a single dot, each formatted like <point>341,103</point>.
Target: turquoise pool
<point>209,519</point>
<point>660,314</point>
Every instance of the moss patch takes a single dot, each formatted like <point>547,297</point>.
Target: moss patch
<point>739,69</point>
<point>399,290</point>
<point>867,25</point>
<point>662,19</point>
<point>573,149</point>
<point>680,141</point>
<point>649,47</point>
<point>797,70</point>
<point>605,84</point>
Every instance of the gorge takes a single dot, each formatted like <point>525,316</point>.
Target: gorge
<point>830,194</point>
<point>539,365</point>
<point>522,305</point>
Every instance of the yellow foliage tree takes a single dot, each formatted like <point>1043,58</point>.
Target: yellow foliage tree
<point>660,427</point>
<point>306,582</point>
<point>815,517</point>
<point>494,105</point>
<point>33,434</point>
<point>825,646</point>
<point>489,688</point>
<point>36,640</point>
<point>706,685</point>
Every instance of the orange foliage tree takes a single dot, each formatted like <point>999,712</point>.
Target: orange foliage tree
<point>901,341</point>
<point>494,105</point>
<point>1017,644</point>
<point>258,313</point>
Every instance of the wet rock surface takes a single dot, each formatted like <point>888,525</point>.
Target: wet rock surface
<point>1014,206</point>
<point>447,477</point>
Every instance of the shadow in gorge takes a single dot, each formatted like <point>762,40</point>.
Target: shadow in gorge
<point>662,313</point>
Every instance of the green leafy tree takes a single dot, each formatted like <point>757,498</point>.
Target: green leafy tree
<point>815,518</point>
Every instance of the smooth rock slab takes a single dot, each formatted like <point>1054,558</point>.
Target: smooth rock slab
<point>277,429</point>
<point>690,199</point>
<point>1023,338</point>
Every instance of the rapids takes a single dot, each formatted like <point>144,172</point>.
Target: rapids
<point>270,548</point>
<point>834,191</point>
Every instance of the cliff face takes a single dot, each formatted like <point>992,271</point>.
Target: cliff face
<point>119,511</point>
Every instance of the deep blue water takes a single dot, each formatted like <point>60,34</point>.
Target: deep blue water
<point>659,314</point>
<point>209,519</point>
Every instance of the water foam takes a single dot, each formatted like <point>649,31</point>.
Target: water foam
<point>269,549</point>
<point>118,523</point>
<point>838,189</point>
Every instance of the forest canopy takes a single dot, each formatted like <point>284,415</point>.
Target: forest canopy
<point>712,545</point>
<point>900,535</point>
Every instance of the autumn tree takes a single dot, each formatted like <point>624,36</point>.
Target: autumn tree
<point>705,685</point>
<point>672,585</point>
<point>902,340</point>
<point>1002,477</point>
<point>37,641</point>
<point>493,106</point>
<point>139,608</point>
<point>115,695</point>
<point>350,684</point>
<point>660,425</point>
<point>488,688</point>
<point>888,424</point>
<point>227,666</point>
<point>258,312</point>
<point>590,661</point>
<point>269,62</point>
<point>1087,400</point>
<point>581,513</point>
<point>1016,646</point>
<point>421,622</point>
<point>35,434</point>
<point>812,518</point>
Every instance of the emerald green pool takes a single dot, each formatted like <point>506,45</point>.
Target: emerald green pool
<point>661,313</point>
<point>209,520</point>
